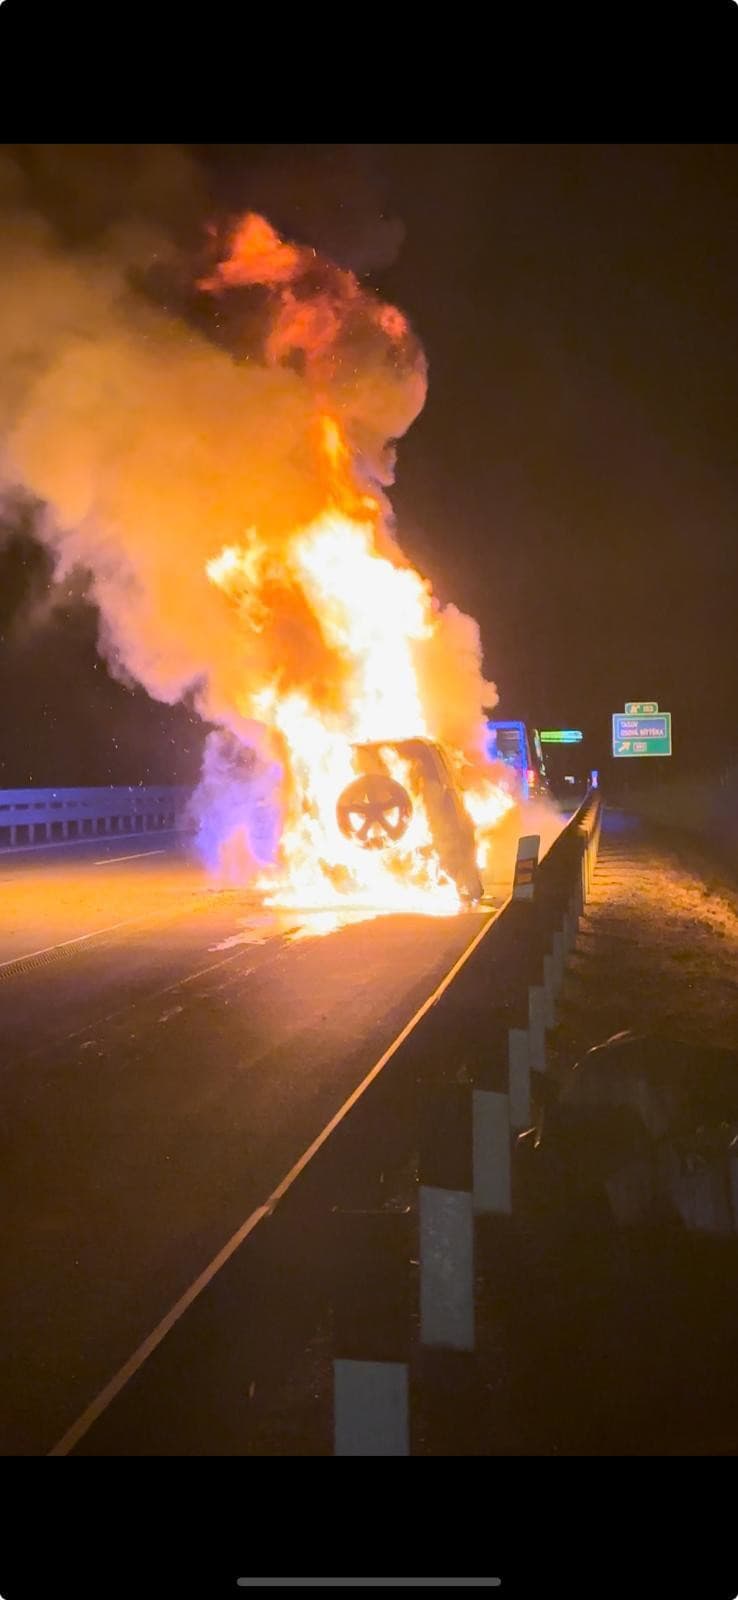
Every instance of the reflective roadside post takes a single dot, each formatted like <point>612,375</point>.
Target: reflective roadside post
<point>371,1405</point>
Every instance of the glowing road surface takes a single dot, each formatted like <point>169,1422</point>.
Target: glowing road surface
<point>169,1050</point>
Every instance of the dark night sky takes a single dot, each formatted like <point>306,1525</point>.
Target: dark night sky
<point>576,472</point>
<point>573,480</point>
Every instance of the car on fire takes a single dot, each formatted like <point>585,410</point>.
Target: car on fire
<point>375,810</point>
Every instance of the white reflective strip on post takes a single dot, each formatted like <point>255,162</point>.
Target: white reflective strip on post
<point>491,1153</point>
<point>518,1075</point>
<point>447,1268</point>
<point>371,1413</point>
<point>537,1027</point>
<point>525,866</point>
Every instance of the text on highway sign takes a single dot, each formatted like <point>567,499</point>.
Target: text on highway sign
<point>641,735</point>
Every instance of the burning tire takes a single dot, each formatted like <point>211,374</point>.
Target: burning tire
<point>374,811</point>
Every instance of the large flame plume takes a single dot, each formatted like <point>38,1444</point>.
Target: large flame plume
<point>231,506</point>
<point>373,613</point>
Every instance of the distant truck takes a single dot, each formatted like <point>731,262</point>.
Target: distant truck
<point>519,747</point>
<point>568,773</point>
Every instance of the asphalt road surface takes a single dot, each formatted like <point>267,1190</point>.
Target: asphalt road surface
<point>169,1049</point>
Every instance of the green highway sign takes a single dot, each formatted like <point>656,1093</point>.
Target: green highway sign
<point>641,735</point>
<point>641,708</point>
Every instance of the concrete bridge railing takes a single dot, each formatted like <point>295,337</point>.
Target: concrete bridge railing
<point>31,817</point>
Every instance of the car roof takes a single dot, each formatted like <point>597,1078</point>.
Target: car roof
<point>419,747</point>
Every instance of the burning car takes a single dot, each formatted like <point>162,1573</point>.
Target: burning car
<point>375,811</point>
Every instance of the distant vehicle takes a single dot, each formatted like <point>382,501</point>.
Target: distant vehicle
<point>567,777</point>
<point>567,770</point>
<point>374,811</point>
<point>519,747</point>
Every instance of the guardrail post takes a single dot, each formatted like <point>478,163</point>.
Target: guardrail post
<point>446,1218</point>
<point>371,1414</point>
<point>597,832</point>
<point>583,868</point>
<point>536,992</point>
<point>492,1123</point>
<point>526,866</point>
<point>518,1067</point>
<point>590,829</point>
<point>579,894</point>
<point>448,1395</point>
<point>537,1017</point>
<point>558,905</point>
<point>551,915</point>
<point>506,1052</point>
<point>525,888</point>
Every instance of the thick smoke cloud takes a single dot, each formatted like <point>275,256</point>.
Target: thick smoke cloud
<point>151,446</point>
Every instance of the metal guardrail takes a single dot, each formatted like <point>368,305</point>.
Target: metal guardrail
<point>374,1233</point>
<point>31,817</point>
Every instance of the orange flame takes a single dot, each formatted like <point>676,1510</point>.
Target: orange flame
<point>371,611</point>
<point>370,616</point>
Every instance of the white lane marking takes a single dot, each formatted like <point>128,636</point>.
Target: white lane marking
<point>128,922</point>
<point>157,994</point>
<point>87,839</point>
<point>30,955</point>
<point>107,861</point>
<point>101,1402</point>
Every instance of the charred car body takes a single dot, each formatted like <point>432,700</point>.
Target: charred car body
<point>375,810</point>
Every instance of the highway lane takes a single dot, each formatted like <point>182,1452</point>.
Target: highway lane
<point>103,930</point>
<point>61,892</point>
<point>169,1047</point>
<point>53,894</point>
<point>156,1084</point>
